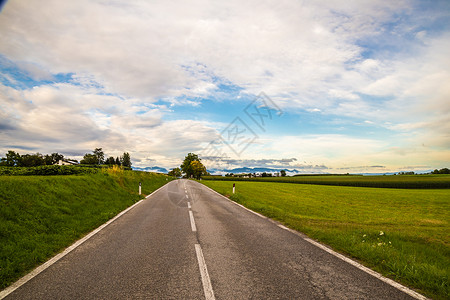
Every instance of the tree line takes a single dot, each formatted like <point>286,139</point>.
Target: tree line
<point>14,159</point>
<point>441,171</point>
<point>191,168</point>
<point>282,173</point>
<point>97,157</point>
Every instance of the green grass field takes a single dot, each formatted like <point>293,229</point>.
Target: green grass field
<point>426,181</point>
<point>402,233</point>
<point>41,215</point>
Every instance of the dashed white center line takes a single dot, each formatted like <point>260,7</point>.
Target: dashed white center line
<point>207,287</point>
<point>206,281</point>
<point>191,216</point>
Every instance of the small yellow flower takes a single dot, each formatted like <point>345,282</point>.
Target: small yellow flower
<point>381,233</point>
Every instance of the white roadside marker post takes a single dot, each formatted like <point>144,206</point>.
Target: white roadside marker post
<point>140,187</point>
<point>234,187</point>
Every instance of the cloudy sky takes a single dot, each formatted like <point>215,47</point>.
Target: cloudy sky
<point>320,86</point>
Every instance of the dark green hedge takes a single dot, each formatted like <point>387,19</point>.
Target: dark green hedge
<point>47,170</point>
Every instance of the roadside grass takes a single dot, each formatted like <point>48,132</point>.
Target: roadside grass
<point>425,181</point>
<point>42,215</point>
<point>402,233</point>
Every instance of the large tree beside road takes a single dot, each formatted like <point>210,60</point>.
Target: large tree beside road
<point>198,169</point>
<point>192,167</point>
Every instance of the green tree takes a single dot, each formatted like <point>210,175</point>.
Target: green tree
<point>118,161</point>
<point>12,159</point>
<point>32,160</point>
<point>126,160</point>
<point>283,173</point>
<point>176,172</point>
<point>444,171</point>
<point>198,169</point>
<point>89,159</point>
<point>53,158</point>
<point>110,161</point>
<point>97,158</point>
<point>100,155</point>
<point>186,167</point>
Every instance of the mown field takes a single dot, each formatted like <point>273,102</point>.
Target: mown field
<point>402,233</point>
<point>41,215</point>
<point>426,181</point>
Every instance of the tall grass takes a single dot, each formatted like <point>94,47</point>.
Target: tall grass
<point>41,215</point>
<point>404,234</point>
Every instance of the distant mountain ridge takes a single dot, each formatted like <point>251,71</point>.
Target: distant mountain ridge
<point>155,169</point>
<point>223,171</point>
<point>246,170</point>
<point>253,170</point>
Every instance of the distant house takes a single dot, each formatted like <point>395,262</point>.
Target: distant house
<point>67,162</point>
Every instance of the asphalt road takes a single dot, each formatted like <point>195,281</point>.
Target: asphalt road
<point>187,242</point>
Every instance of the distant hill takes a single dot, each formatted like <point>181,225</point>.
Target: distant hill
<point>289,172</point>
<point>154,169</point>
<point>246,170</point>
<point>224,171</point>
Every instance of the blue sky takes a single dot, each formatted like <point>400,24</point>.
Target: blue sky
<point>341,87</point>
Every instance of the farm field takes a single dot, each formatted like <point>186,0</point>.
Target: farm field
<point>401,233</point>
<point>425,181</point>
<point>41,215</point>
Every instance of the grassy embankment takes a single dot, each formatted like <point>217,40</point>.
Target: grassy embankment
<point>402,233</point>
<point>426,181</point>
<point>41,215</point>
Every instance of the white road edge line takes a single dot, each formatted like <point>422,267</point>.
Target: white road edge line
<point>359,266</point>
<point>189,205</point>
<point>191,217</point>
<point>369,271</point>
<point>66,251</point>
<point>207,287</point>
<point>249,210</point>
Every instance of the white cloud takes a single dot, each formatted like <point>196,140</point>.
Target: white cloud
<point>138,49</point>
<point>310,55</point>
<point>68,118</point>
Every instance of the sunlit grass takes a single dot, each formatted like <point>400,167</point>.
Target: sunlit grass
<point>402,233</point>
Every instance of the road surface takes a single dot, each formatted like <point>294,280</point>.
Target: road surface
<point>188,242</point>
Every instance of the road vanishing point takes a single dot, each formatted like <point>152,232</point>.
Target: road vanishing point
<point>186,241</point>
